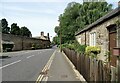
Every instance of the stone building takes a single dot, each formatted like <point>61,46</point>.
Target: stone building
<point>42,36</point>
<point>24,43</point>
<point>104,33</point>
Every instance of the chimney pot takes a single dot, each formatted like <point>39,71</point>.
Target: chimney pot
<point>42,33</point>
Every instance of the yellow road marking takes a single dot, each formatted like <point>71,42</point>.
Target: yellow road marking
<point>47,66</point>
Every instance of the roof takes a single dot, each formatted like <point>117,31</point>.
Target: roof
<point>111,14</point>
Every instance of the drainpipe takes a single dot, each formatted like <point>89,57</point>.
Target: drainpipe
<point>118,36</point>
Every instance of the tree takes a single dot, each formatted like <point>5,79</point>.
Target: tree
<point>56,40</point>
<point>57,29</point>
<point>77,16</point>
<point>15,30</point>
<point>25,31</point>
<point>5,28</point>
<point>68,21</point>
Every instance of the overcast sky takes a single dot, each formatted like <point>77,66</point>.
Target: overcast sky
<point>37,15</point>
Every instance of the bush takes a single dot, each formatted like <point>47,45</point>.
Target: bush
<point>92,50</point>
<point>35,46</point>
<point>71,46</point>
<point>64,45</point>
<point>81,48</point>
<point>75,46</point>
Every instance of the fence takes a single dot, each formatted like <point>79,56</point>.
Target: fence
<point>91,69</point>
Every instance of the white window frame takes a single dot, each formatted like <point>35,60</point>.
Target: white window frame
<point>79,40</point>
<point>92,39</point>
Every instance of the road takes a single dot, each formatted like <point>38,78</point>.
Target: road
<point>25,65</point>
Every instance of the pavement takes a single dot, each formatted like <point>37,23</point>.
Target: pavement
<point>60,68</point>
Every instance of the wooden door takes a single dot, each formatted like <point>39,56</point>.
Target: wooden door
<point>112,44</point>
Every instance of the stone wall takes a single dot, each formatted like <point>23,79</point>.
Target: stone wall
<point>102,36</point>
<point>24,43</point>
<point>81,38</point>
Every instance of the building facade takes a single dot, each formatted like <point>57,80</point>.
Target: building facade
<point>104,33</point>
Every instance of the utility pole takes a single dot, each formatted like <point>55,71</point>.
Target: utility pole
<point>1,49</point>
<point>60,40</point>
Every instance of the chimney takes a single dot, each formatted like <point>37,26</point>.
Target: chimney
<point>48,36</point>
<point>42,33</point>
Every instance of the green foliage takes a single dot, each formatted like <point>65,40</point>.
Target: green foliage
<point>92,50</point>
<point>25,31</point>
<point>75,46</point>
<point>118,22</point>
<point>57,29</point>
<point>56,40</point>
<point>15,30</point>
<point>7,47</point>
<point>81,48</point>
<point>35,46</point>
<point>71,46</point>
<point>5,28</point>
<point>77,16</point>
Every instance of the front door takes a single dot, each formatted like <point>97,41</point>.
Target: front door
<point>112,44</point>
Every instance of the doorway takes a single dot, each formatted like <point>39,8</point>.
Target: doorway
<point>112,43</point>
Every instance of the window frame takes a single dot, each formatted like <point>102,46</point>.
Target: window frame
<point>92,39</point>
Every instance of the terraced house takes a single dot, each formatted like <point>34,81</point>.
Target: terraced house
<point>105,32</point>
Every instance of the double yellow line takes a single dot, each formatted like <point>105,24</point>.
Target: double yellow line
<point>45,69</point>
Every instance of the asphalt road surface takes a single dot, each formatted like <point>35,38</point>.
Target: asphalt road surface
<point>24,65</point>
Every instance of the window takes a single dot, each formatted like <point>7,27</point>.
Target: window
<point>92,39</point>
<point>79,40</point>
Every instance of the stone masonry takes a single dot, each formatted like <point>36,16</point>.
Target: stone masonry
<point>102,36</point>
<point>24,43</point>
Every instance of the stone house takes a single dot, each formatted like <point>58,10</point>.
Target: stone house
<point>42,36</point>
<point>104,33</point>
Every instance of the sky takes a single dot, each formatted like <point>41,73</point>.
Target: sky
<point>36,15</point>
